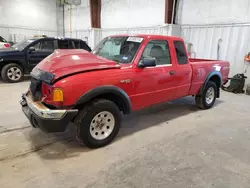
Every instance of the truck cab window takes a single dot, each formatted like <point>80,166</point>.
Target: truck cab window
<point>180,52</point>
<point>159,50</point>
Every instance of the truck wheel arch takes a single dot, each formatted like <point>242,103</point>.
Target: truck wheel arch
<point>215,77</point>
<point>112,93</point>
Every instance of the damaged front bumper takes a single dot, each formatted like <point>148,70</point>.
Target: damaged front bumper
<point>44,118</point>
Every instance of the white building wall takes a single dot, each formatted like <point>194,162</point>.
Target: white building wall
<point>119,17</point>
<point>117,14</point>
<point>217,29</point>
<point>213,11</point>
<point>131,13</point>
<point>60,20</point>
<point>80,17</point>
<point>27,17</point>
<point>223,42</point>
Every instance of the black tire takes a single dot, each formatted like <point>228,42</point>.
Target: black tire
<point>6,68</point>
<point>85,117</point>
<point>201,98</point>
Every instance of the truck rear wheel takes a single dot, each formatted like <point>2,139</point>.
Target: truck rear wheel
<point>207,98</point>
<point>98,123</point>
<point>12,73</point>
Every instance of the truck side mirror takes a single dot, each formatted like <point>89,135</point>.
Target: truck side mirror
<point>31,49</point>
<point>147,62</point>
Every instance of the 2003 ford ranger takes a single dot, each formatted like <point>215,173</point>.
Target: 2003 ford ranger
<point>122,74</point>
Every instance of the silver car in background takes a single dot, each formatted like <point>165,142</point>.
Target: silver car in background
<point>4,43</point>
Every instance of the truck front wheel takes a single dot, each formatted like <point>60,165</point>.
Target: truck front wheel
<point>207,98</point>
<point>98,123</point>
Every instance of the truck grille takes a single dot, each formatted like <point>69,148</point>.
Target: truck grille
<point>36,89</point>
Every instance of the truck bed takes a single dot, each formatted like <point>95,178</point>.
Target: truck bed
<point>202,67</point>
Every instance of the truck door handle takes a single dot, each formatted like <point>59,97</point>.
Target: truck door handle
<point>172,73</point>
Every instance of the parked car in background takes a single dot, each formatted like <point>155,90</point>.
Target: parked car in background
<point>122,74</point>
<point>22,57</point>
<point>4,43</point>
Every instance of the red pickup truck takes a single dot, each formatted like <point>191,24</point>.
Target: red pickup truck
<point>122,74</point>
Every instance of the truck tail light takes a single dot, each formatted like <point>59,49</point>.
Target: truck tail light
<point>57,95</point>
<point>7,45</point>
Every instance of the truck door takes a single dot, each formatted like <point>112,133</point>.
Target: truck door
<point>155,84</point>
<point>166,86</point>
<point>184,70</point>
<point>38,51</point>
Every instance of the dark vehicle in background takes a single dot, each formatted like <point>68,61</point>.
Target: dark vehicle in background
<point>22,57</point>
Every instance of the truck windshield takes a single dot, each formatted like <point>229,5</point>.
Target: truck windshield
<point>119,49</point>
<point>21,45</point>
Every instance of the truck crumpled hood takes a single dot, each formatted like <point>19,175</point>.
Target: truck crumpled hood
<point>67,62</point>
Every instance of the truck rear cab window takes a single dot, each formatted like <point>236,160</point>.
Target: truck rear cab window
<point>159,50</point>
<point>180,52</point>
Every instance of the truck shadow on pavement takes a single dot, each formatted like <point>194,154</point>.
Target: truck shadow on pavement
<point>64,145</point>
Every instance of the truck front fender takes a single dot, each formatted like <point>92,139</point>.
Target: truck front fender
<point>113,93</point>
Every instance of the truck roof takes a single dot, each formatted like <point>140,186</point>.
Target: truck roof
<point>147,36</point>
